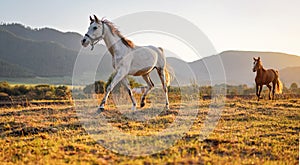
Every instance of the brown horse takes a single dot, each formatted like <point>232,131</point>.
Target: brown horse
<point>265,77</point>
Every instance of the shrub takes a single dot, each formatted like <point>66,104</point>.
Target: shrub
<point>37,92</point>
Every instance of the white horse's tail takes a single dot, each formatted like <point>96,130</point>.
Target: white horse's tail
<point>169,74</point>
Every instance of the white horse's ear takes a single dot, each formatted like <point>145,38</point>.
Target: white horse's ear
<point>91,19</point>
<point>96,19</point>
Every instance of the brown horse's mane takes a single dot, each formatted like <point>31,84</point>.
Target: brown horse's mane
<point>262,67</point>
<point>115,31</point>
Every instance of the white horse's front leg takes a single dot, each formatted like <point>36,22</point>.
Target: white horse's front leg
<point>118,77</point>
<point>101,107</point>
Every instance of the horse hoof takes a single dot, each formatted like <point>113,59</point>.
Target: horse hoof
<point>167,108</point>
<point>100,109</point>
<point>142,104</point>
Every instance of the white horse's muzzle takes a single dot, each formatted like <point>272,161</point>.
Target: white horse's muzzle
<point>85,42</point>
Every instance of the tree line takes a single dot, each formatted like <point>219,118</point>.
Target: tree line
<point>99,87</point>
<point>50,92</point>
<point>37,92</point>
<point>246,90</point>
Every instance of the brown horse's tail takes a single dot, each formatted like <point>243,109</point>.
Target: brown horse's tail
<point>278,83</point>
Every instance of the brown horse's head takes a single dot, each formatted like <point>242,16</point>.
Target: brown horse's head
<point>256,64</point>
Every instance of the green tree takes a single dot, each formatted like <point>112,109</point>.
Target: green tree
<point>62,92</point>
<point>99,87</point>
<point>293,86</point>
<point>23,89</point>
<point>131,80</point>
<point>89,89</point>
<point>43,91</point>
<point>133,83</point>
<point>6,88</point>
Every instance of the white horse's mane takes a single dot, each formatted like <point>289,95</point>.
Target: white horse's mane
<point>115,31</point>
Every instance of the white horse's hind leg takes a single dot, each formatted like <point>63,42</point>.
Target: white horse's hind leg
<point>162,77</point>
<point>150,85</point>
<point>125,82</point>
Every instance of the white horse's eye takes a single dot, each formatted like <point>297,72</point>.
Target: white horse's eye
<point>95,28</point>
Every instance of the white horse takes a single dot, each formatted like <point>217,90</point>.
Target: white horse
<point>127,59</point>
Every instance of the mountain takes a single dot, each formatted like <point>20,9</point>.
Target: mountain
<point>237,68</point>
<point>27,52</point>
<point>41,57</point>
<point>289,75</point>
<point>238,65</point>
<point>11,70</point>
<point>68,40</point>
<point>44,58</point>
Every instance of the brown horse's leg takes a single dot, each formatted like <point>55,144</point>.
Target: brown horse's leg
<point>270,88</point>
<point>260,88</point>
<point>257,92</point>
<point>273,90</point>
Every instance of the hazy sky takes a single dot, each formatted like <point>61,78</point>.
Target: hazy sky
<point>260,25</point>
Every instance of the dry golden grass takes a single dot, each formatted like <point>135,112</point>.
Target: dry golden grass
<point>248,132</point>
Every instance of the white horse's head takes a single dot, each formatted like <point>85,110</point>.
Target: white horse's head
<point>94,34</point>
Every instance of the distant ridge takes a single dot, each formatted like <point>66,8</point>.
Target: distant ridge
<point>69,40</point>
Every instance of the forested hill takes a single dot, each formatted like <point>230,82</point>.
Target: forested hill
<point>26,52</point>
<point>41,57</point>
<point>11,70</point>
<point>69,40</point>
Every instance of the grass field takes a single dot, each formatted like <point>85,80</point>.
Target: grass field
<point>248,132</point>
